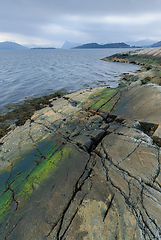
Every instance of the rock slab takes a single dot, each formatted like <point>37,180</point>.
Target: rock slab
<point>85,167</point>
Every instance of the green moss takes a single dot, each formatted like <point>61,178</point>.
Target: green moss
<point>99,98</point>
<point>148,59</point>
<point>41,172</point>
<point>153,61</point>
<point>27,181</point>
<point>48,147</point>
<point>109,106</point>
<point>104,99</point>
<point>135,58</point>
<point>26,189</point>
<point>5,202</point>
<point>24,167</point>
<point>21,177</point>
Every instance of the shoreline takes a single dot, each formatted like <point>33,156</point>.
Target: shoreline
<point>17,114</point>
<point>87,161</point>
<point>150,72</point>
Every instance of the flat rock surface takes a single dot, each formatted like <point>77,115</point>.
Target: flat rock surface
<point>85,167</point>
<point>141,103</point>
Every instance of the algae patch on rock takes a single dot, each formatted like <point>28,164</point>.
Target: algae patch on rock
<point>86,170</point>
<point>17,114</point>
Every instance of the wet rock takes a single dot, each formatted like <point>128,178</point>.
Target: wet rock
<point>85,171</point>
<point>136,83</point>
<point>123,84</point>
<point>146,80</point>
<point>126,76</point>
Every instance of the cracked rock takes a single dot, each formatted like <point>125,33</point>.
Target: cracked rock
<point>85,171</point>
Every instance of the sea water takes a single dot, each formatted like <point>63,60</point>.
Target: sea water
<point>36,72</point>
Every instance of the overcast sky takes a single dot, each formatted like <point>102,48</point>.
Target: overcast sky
<point>52,22</point>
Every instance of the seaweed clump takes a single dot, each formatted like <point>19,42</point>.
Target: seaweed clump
<point>19,113</point>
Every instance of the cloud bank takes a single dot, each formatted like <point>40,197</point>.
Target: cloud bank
<point>52,22</point>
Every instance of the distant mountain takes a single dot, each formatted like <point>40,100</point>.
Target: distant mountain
<point>141,43</point>
<point>11,45</point>
<point>108,45</point>
<point>158,44</point>
<point>68,45</point>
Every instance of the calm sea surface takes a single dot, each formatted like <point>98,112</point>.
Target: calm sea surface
<point>35,72</point>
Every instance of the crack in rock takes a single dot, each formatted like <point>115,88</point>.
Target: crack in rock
<point>105,139</point>
<point>108,208</point>
<point>77,188</point>
<point>13,229</point>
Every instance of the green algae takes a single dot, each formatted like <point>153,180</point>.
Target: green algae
<point>31,159</point>
<point>23,167</point>
<point>104,99</point>
<point>159,73</point>
<point>5,203</point>
<point>109,106</point>
<point>27,166</point>
<point>99,96</point>
<point>49,146</point>
<point>26,185</point>
<point>101,93</point>
<point>3,179</point>
<point>153,61</point>
<point>19,113</point>
<point>41,172</point>
<point>147,60</point>
<point>136,59</point>
<point>29,173</point>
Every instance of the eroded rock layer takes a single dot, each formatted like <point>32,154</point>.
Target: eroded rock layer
<point>85,167</point>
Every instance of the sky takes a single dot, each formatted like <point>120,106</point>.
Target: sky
<point>50,23</point>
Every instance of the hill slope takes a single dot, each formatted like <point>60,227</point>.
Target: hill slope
<point>11,45</point>
<point>158,44</point>
<point>68,45</point>
<point>108,45</point>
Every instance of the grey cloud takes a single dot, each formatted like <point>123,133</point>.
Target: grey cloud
<point>49,9</point>
<point>86,20</point>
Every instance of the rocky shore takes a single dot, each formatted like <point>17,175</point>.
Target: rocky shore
<point>87,166</point>
<point>150,71</point>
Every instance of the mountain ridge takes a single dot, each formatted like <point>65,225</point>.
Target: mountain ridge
<point>68,45</point>
<point>157,44</point>
<point>11,46</point>
<point>108,45</point>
